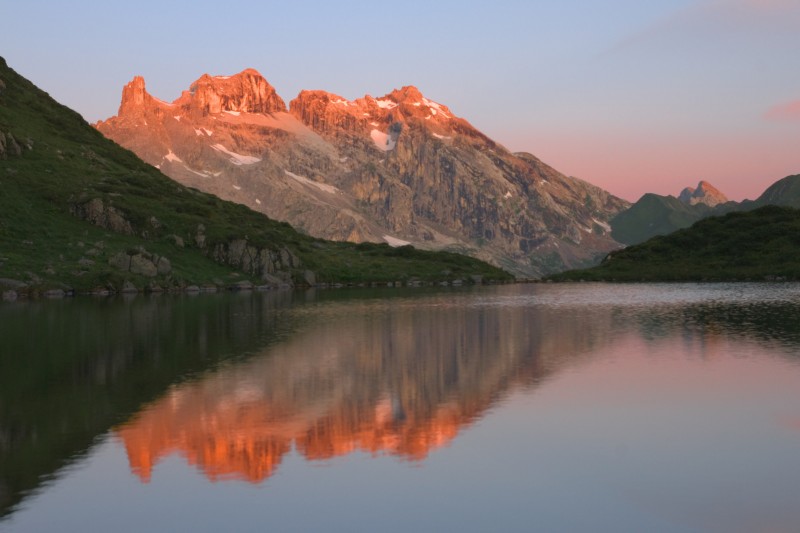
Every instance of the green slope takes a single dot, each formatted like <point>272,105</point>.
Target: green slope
<point>654,215</point>
<point>762,244</point>
<point>785,192</point>
<point>72,201</point>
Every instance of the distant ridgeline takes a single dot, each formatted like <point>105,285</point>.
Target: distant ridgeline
<point>761,244</point>
<point>80,213</point>
<point>655,215</point>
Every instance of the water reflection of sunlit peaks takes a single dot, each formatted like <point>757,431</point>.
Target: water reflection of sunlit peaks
<point>395,382</point>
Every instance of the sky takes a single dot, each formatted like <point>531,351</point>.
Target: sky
<point>631,96</point>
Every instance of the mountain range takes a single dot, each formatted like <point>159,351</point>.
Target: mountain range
<point>400,169</point>
<point>80,213</point>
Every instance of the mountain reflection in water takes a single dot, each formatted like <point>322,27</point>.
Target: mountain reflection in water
<point>404,376</point>
<point>379,377</point>
<point>655,406</point>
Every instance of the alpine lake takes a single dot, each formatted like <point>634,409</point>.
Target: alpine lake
<point>533,407</point>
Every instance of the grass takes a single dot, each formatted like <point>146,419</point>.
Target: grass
<point>763,244</point>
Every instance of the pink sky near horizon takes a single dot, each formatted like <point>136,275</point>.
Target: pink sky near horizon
<point>628,166</point>
<point>631,96</point>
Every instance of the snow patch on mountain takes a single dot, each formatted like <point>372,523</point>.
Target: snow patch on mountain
<point>394,242</point>
<point>386,104</point>
<point>304,180</point>
<point>201,174</point>
<point>172,157</point>
<point>382,140</point>
<point>603,225</point>
<point>236,159</point>
<point>435,108</point>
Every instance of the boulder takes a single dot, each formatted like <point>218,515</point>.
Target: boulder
<point>9,296</point>
<point>163,266</point>
<point>12,283</point>
<point>129,288</point>
<point>54,293</point>
<point>105,216</point>
<point>154,287</point>
<point>141,265</point>
<point>121,261</point>
<point>12,148</point>
<point>242,286</point>
<point>200,237</point>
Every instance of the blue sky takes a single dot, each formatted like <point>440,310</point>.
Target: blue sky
<point>632,96</point>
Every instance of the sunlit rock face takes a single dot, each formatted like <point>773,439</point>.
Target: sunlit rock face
<point>705,193</point>
<point>395,383</point>
<point>400,168</point>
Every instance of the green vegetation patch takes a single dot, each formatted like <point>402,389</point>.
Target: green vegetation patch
<point>763,244</point>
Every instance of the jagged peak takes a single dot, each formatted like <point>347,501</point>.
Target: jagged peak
<point>135,98</point>
<point>704,193</point>
<point>248,72</point>
<point>317,94</point>
<point>247,91</point>
<point>407,93</point>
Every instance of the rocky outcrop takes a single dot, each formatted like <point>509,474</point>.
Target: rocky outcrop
<point>9,147</point>
<point>246,92</point>
<point>400,168</point>
<point>269,265</point>
<point>102,214</point>
<point>275,267</point>
<point>135,98</point>
<point>141,262</point>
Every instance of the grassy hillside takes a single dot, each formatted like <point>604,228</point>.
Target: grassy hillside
<point>785,192</point>
<point>73,202</point>
<point>754,245</point>
<point>655,215</point>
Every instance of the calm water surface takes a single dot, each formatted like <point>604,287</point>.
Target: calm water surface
<point>582,407</point>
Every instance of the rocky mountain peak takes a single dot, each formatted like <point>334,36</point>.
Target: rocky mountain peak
<point>705,193</point>
<point>134,97</point>
<point>408,94</point>
<point>399,168</point>
<point>245,92</point>
<point>327,113</point>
